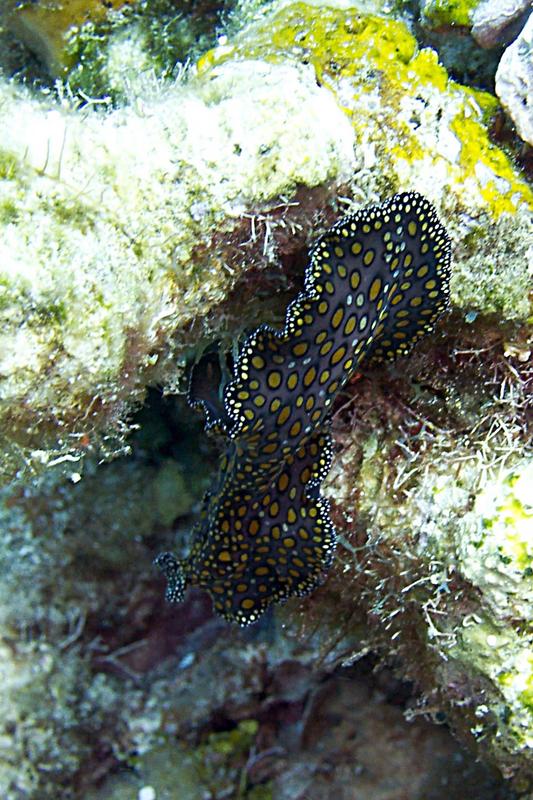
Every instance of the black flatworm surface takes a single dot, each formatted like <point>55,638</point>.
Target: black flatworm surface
<point>376,283</point>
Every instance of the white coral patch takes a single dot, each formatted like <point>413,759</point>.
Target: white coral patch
<point>258,126</point>
<point>102,213</point>
<point>495,553</point>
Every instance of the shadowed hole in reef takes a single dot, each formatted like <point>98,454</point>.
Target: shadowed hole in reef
<point>355,720</point>
<point>141,504</point>
<point>169,433</point>
<point>168,428</point>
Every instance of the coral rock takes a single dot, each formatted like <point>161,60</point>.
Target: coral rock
<point>514,82</point>
<point>107,225</point>
<point>496,22</point>
<point>137,224</point>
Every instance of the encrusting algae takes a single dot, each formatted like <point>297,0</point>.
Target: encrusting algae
<point>360,56</point>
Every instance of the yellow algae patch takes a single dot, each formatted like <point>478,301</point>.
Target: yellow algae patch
<point>498,182</point>
<point>334,41</point>
<point>405,110</point>
<point>448,13</point>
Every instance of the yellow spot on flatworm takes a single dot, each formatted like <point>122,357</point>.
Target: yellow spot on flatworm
<point>368,257</point>
<point>309,376</point>
<point>355,279</point>
<point>300,349</point>
<point>283,415</point>
<point>375,288</point>
<point>337,318</point>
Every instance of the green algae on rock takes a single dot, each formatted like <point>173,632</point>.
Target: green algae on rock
<point>438,555</point>
<point>502,657</point>
<point>447,13</point>
<point>493,547</point>
<point>111,49</point>
<point>101,238</point>
<point>48,27</point>
<point>415,127</point>
<point>496,552</point>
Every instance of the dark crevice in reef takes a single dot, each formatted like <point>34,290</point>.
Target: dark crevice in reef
<point>168,428</point>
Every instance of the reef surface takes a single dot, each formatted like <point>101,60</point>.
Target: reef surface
<point>174,212</point>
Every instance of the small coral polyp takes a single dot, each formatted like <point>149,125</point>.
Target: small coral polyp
<point>376,283</point>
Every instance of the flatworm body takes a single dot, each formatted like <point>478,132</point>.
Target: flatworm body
<point>376,283</point>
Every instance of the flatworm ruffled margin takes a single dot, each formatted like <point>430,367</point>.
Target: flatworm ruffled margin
<point>376,283</point>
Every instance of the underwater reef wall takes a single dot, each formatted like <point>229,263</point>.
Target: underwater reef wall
<point>437,520</point>
<point>118,232</point>
<point>132,237</point>
<point>136,223</point>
